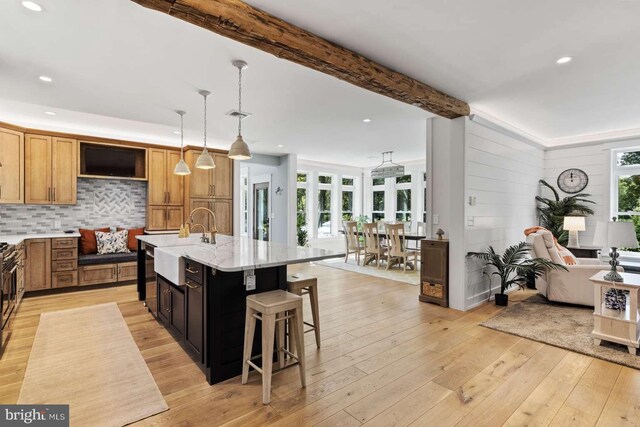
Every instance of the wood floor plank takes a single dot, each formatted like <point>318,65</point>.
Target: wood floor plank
<point>386,359</point>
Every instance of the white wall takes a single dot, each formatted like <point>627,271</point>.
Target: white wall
<point>502,173</point>
<point>277,171</point>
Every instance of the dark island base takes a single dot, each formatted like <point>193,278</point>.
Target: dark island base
<point>207,317</point>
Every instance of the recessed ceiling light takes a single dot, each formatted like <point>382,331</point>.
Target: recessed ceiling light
<point>50,113</point>
<point>46,79</point>
<point>564,60</point>
<point>366,120</point>
<point>280,145</point>
<point>32,6</point>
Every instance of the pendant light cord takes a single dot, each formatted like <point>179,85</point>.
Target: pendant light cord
<point>239,100</point>
<point>182,136</point>
<point>205,122</point>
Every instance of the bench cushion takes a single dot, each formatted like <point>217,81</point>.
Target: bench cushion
<point>95,259</point>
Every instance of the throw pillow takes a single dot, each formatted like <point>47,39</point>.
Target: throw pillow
<point>88,243</point>
<point>567,256</point>
<point>112,243</point>
<point>133,232</point>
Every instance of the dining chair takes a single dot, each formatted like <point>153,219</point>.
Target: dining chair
<point>372,246</point>
<point>397,249</point>
<point>421,230</point>
<point>352,240</point>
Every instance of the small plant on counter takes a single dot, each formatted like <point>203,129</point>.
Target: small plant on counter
<point>513,267</point>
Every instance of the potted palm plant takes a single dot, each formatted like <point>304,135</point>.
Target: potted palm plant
<point>513,267</point>
<point>553,210</point>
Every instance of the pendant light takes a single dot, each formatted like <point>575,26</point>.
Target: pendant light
<point>181,167</point>
<point>239,149</point>
<point>205,161</point>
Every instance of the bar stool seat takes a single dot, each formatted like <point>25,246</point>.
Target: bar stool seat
<point>301,284</point>
<point>271,308</point>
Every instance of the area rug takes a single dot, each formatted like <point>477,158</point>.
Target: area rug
<point>561,325</point>
<point>87,358</point>
<point>411,277</point>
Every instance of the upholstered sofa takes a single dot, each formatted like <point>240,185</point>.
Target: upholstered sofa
<point>572,286</point>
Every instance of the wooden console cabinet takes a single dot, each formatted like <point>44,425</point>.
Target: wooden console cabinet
<point>50,170</point>
<point>434,271</point>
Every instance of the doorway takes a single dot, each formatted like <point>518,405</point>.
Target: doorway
<point>261,211</point>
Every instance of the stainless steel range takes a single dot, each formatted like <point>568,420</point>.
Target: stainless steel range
<point>12,287</point>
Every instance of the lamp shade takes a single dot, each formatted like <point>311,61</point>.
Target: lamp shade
<point>205,161</point>
<point>239,150</point>
<point>574,223</point>
<point>182,168</point>
<point>615,234</point>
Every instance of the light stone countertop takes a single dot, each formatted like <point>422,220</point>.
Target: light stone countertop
<point>14,239</point>
<point>232,253</point>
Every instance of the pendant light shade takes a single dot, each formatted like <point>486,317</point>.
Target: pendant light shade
<point>205,161</point>
<point>239,149</point>
<point>181,167</point>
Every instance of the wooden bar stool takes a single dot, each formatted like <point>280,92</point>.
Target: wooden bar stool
<point>271,308</point>
<point>301,284</point>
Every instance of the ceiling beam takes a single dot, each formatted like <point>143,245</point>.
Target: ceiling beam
<point>244,23</point>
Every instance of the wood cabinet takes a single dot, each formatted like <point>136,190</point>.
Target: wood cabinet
<point>37,264</point>
<point>200,183</point>
<point>12,169</point>
<point>50,170</point>
<point>164,217</point>
<point>223,176</point>
<point>165,187</point>
<point>224,216</point>
<point>171,306</point>
<point>165,191</point>
<point>434,271</point>
<point>97,274</point>
<point>194,329</point>
<point>164,300</point>
<point>127,271</point>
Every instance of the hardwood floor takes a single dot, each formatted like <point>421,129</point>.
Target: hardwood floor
<point>386,360</point>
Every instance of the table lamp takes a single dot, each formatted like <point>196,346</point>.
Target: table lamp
<point>614,235</point>
<point>573,224</point>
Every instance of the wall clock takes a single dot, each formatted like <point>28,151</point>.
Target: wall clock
<point>573,181</point>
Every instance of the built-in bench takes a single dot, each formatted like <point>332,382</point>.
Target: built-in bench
<point>97,269</point>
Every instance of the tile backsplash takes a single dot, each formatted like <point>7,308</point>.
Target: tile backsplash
<point>101,203</point>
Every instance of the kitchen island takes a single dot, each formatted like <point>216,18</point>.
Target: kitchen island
<point>202,300</point>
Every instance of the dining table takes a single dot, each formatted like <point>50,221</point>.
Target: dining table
<point>412,236</point>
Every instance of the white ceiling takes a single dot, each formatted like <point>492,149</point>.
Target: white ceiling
<point>499,55</point>
<point>120,70</point>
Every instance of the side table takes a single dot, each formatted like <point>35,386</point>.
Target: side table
<point>619,326</point>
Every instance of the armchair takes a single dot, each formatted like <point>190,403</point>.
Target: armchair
<point>571,286</point>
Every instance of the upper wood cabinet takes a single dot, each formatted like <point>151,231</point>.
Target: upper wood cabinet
<point>50,170</point>
<point>165,187</point>
<point>216,182</point>
<point>11,166</point>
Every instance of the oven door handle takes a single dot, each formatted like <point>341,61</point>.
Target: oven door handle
<point>15,267</point>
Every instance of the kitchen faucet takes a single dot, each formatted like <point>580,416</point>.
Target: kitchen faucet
<point>208,236</point>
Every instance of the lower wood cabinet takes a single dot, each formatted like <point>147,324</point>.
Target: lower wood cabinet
<point>434,271</point>
<point>127,271</point>
<point>64,279</point>
<point>37,264</point>
<point>171,306</point>
<point>98,274</point>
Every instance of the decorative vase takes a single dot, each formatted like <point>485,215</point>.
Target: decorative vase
<point>615,299</point>
<point>502,300</point>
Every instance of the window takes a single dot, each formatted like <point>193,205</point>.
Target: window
<point>377,213</point>
<point>301,220</point>
<point>626,171</point>
<point>302,177</point>
<point>404,179</point>
<point>324,179</point>
<point>324,213</point>
<point>347,182</point>
<point>378,181</point>
<point>403,205</point>
<point>347,205</point>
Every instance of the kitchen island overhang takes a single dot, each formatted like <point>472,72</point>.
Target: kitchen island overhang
<point>206,312</point>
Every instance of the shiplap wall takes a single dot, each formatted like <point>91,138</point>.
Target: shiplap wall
<point>595,161</point>
<point>502,173</point>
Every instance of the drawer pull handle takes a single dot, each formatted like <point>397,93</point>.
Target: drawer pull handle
<point>191,284</point>
<point>191,271</point>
